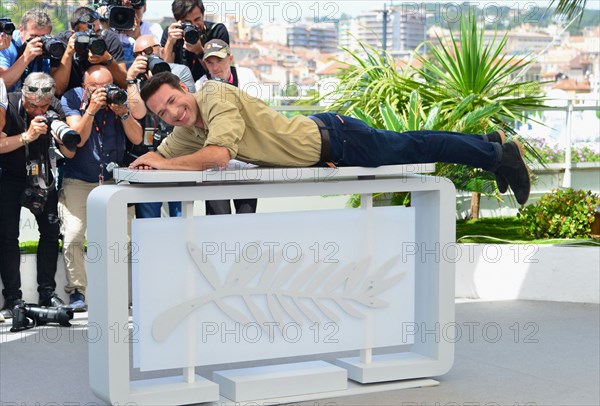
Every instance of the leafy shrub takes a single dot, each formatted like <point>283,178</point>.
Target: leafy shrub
<point>564,213</point>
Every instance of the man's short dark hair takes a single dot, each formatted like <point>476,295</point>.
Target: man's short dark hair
<point>156,81</point>
<point>181,8</point>
<point>77,14</point>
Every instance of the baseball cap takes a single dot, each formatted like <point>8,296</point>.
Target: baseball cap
<point>216,47</point>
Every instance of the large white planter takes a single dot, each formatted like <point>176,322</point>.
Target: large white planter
<point>528,272</point>
<point>483,271</point>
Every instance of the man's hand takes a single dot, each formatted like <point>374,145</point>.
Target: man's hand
<point>197,48</point>
<point>70,51</point>
<point>175,32</point>
<point>119,109</point>
<point>97,100</point>
<point>37,127</point>
<point>4,40</point>
<point>151,160</point>
<point>33,50</point>
<point>138,67</point>
<point>98,59</point>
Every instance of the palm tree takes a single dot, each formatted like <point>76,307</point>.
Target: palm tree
<point>470,85</point>
<point>568,8</point>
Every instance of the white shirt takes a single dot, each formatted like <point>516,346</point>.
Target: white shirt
<point>246,81</point>
<point>3,95</point>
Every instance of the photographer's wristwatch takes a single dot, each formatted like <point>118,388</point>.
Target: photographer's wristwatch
<point>125,116</point>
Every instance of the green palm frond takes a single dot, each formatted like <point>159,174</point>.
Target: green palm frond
<point>568,8</point>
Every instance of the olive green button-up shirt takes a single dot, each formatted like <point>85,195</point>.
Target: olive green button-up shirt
<point>251,131</point>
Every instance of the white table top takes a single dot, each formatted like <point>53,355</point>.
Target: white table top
<point>237,173</point>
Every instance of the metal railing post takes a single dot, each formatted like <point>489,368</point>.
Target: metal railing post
<point>567,177</point>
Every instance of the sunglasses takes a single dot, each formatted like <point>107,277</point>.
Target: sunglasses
<point>148,51</point>
<point>34,89</point>
<point>88,18</point>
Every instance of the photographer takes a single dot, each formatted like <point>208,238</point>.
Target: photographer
<point>98,112</point>
<point>27,179</point>
<point>175,40</point>
<point>140,28</point>
<point>146,51</point>
<point>29,51</point>
<point>78,56</point>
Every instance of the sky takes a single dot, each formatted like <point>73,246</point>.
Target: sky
<point>295,11</point>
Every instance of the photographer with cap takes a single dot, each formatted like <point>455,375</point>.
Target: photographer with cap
<point>183,42</point>
<point>98,111</point>
<point>218,59</point>
<point>78,57</point>
<point>147,59</point>
<point>27,180</point>
<point>26,52</point>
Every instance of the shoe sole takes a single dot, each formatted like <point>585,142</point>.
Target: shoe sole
<point>499,178</point>
<point>521,155</point>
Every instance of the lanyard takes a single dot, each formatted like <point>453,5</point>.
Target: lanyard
<point>101,144</point>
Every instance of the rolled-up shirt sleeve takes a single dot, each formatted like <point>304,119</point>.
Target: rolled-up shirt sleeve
<point>182,141</point>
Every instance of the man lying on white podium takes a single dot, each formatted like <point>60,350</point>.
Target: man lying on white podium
<point>220,122</point>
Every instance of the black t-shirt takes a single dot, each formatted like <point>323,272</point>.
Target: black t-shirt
<point>193,61</point>
<point>113,45</point>
<point>17,121</point>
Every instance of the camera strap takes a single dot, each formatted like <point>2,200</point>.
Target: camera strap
<point>38,171</point>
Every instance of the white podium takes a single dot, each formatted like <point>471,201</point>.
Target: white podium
<point>375,281</point>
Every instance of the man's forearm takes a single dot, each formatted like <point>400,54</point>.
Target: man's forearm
<point>119,74</point>
<point>208,157</point>
<point>13,74</point>
<point>133,130</point>
<point>136,104</point>
<point>62,73</point>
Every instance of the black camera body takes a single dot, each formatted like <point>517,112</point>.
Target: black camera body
<point>53,48</point>
<point>69,137</point>
<point>191,33</point>
<point>26,316</point>
<point>34,198</point>
<point>89,41</point>
<point>115,95</point>
<point>7,26</point>
<point>119,17</point>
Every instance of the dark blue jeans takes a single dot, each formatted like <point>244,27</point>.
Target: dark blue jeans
<point>10,255</point>
<point>152,210</point>
<point>353,143</point>
<point>242,206</point>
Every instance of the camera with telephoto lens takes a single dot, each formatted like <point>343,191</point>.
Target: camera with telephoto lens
<point>26,316</point>
<point>156,65</point>
<point>115,95</point>
<point>89,41</point>
<point>69,137</point>
<point>191,33</point>
<point>7,26</point>
<point>119,17</point>
<point>52,47</point>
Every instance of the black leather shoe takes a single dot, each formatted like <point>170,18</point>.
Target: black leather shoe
<point>514,170</point>
<point>7,309</point>
<point>499,137</point>
<point>51,301</point>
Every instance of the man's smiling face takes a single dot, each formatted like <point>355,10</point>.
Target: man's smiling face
<point>175,106</point>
